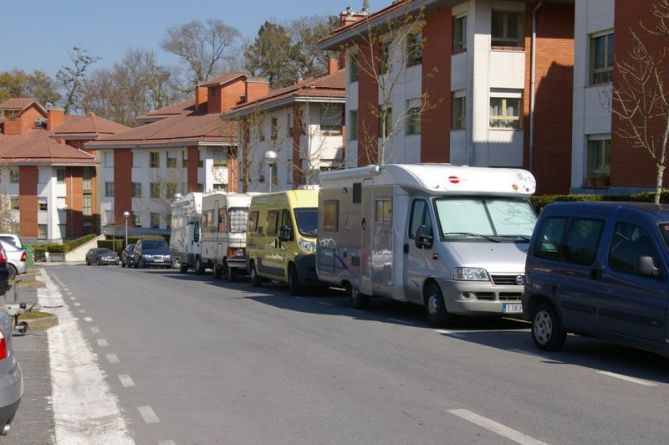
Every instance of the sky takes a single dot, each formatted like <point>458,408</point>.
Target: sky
<point>39,34</point>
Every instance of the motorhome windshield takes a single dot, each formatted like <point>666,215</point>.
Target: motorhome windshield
<point>307,221</point>
<point>239,219</point>
<point>485,219</point>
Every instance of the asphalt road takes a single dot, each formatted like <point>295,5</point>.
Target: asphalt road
<point>192,360</point>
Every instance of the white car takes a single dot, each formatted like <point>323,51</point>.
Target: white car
<point>16,259</point>
<point>14,239</point>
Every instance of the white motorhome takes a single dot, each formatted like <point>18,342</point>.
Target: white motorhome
<point>453,239</point>
<point>185,231</point>
<point>224,221</point>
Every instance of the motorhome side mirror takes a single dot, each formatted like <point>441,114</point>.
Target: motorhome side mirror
<point>424,237</point>
<point>646,266</point>
<point>285,233</point>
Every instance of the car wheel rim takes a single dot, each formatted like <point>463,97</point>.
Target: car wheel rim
<point>543,327</point>
<point>433,304</point>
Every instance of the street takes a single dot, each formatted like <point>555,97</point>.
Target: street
<point>192,360</point>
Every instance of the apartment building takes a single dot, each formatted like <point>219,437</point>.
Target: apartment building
<point>302,124</point>
<point>603,161</point>
<point>479,82</point>
<point>179,149</point>
<point>48,183</point>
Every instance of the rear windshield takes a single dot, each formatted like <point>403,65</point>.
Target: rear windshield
<point>307,221</point>
<point>664,228</point>
<point>10,240</point>
<point>104,251</point>
<point>239,219</point>
<point>154,245</point>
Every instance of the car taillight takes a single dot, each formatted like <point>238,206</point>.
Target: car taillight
<point>3,347</point>
<point>3,257</point>
<point>235,251</point>
<point>24,256</point>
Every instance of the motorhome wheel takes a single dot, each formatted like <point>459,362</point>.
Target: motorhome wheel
<point>435,308</point>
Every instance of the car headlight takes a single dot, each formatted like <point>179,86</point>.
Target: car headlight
<point>148,257</point>
<point>307,246</point>
<point>470,274</point>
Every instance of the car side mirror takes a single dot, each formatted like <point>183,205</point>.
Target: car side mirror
<point>424,237</point>
<point>285,233</point>
<point>646,266</point>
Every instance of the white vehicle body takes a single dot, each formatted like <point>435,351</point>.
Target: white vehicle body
<point>397,230</point>
<point>224,223</point>
<point>16,258</point>
<point>185,247</point>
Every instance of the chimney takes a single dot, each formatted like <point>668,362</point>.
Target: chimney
<point>256,88</point>
<point>333,65</point>
<point>54,118</point>
<point>348,17</point>
<point>201,98</point>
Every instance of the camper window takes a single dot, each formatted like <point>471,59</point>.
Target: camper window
<point>253,222</point>
<point>237,220</point>
<point>419,217</point>
<point>331,215</point>
<point>221,221</point>
<point>384,208</point>
<point>272,220</point>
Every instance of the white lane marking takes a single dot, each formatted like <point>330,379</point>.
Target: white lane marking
<point>496,427</point>
<point>147,414</point>
<point>95,330</point>
<point>87,413</point>
<point>167,442</point>
<point>627,378</point>
<point>66,289</point>
<point>126,381</point>
<point>73,298</point>
<point>88,319</point>
<point>102,342</point>
<point>77,304</point>
<point>82,311</point>
<point>69,293</point>
<point>112,358</point>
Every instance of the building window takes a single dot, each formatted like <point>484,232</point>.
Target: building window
<point>170,190</point>
<point>218,187</point>
<point>200,162</point>
<point>14,202</point>
<point>353,125</point>
<point>385,122</point>
<point>459,110</point>
<point>184,160</point>
<point>87,176</point>
<point>109,189</point>
<point>155,190</point>
<point>154,159</point>
<point>87,208</point>
<point>43,204</point>
<point>14,175</point>
<point>43,231</point>
<point>171,160</point>
<point>136,191</point>
<point>353,68</point>
<point>598,169</point>
<point>505,109</point>
<point>330,123</point>
<point>109,216</point>
<point>414,49</point>
<point>275,128</point>
<point>60,175</point>
<point>155,220</point>
<point>602,49</point>
<point>413,120</point>
<point>384,56</point>
<point>261,133</point>
<point>61,203</point>
<point>507,29</point>
<point>109,159</point>
<point>138,220</point>
<point>459,33</point>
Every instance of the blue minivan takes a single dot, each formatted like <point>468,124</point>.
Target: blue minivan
<point>599,269</point>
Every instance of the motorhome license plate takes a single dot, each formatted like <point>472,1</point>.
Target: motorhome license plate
<point>512,308</point>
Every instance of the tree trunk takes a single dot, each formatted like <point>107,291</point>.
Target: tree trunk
<point>658,182</point>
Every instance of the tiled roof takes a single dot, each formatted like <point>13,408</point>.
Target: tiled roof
<point>37,146</point>
<point>331,86</point>
<point>185,107</point>
<point>89,126</point>
<point>223,79</point>
<point>19,103</point>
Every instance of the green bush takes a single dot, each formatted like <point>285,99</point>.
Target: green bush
<point>541,201</point>
<point>116,245</point>
<point>63,248</point>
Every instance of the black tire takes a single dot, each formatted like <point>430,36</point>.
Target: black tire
<point>141,264</point>
<point>97,262</point>
<point>199,267</point>
<point>547,330</point>
<point>12,271</point>
<point>122,264</point>
<point>358,300</point>
<point>232,274</point>
<point>294,285</point>
<point>88,263</point>
<point>183,267</point>
<point>217,271</point>
<point>256,281</point>
<point>435,308</point>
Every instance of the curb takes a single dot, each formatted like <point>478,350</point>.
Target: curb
<point>42,324</point>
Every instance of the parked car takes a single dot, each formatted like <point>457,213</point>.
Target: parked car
<point>101,256</point>
<point>14,239</point>
<point>4,271</point>
<point>11,375</point>
<point>127,256</point>
<point>16,259</point>
<point>599,269</point>
<point>152,252</point>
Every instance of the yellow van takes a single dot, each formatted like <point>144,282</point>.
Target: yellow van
<point>281,238</point>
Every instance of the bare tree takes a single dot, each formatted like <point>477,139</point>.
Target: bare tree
<point>640,98</point>
<point>204,47</point>
<point>71,78</point>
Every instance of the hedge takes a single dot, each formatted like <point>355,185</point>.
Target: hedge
<point>541,201</point>
<point>66,246</point>
<point>117,244</point>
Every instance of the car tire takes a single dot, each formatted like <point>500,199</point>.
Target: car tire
<point>183,268</point>
<point>88,263</point>
<point>358,300</point>
<point>547,330</point>
<point>199,267</point>
<point>122,264</point>
<point>217,271</point>
<point>294,285</point>
<point>141,264</point>
<point>12,271</point>
<point>256,281</point>
<point>435,308</point>
<point>97,262</point>
<point>231,274</point>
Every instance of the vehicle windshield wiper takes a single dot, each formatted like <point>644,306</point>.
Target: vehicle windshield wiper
<point>522,237</point>
<point>477,235</point>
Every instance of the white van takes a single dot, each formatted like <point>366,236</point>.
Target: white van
<point>453,239</point>
<point>185,232</point>
<point>224,220</point>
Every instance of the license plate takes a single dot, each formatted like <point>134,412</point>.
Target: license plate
<point>512,308</point>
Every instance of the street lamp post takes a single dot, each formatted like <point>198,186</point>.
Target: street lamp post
<point>270,159</point>
<point>126,215</point>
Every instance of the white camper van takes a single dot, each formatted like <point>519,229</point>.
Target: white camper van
<point>453,239</point>
<point>224,220</point>
<point>185,232</point>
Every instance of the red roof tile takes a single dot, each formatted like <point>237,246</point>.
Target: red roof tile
<point>89,126</point>
<point>185,107</point>
<point>222,79</point>
<point>20,103</point>
<point>38,147</point>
